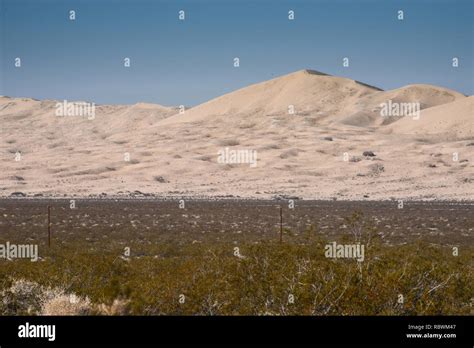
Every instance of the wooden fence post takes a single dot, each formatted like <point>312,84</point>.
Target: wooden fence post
<point>281,224</point>
<point>49,226</point>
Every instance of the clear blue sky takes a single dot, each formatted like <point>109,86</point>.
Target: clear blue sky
<point>175,62</point>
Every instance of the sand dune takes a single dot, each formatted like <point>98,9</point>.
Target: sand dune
<point>317,152</point>
<point>454,120</point>
<point>325,98</point>
<point>308,92</point>
<point>367,110</point>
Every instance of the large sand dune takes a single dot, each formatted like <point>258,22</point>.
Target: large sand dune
<point>454,120</point>
<point>315,152</point>
<point>367,110</point>
<point>305,92</point>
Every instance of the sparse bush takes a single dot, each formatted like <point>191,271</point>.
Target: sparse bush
<point>64,304</point>
<point>77,279</point>
<point>229,142</point>
<point>22,297</point>
<point>289,153</point>
<point>376,169</point>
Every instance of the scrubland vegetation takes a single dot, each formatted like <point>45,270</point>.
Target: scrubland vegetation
<point>259,278</point>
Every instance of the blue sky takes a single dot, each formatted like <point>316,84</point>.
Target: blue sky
<point>175,62</point>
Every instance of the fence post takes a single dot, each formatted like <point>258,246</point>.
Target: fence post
<point>49,226</point>
<point>281,224</point>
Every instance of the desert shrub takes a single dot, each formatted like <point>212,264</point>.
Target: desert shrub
<point>22,297</point>
<point>265,278</point>
<point>25,297</point>
<point>66,304</point>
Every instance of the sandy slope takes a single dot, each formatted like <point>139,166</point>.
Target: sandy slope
<point>449,121</point>
<point>309,92</point>
<point>300,154</point>
<point>367,109</point>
